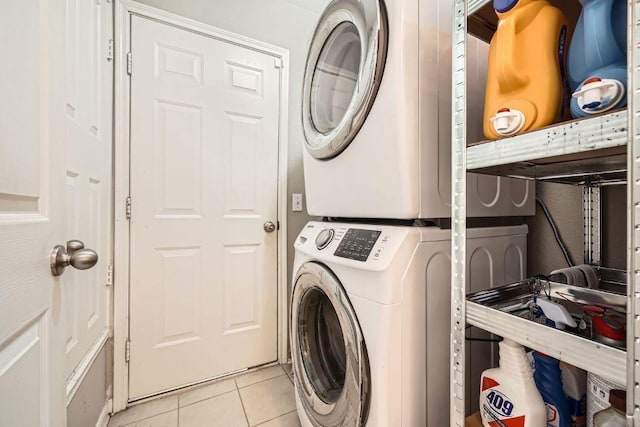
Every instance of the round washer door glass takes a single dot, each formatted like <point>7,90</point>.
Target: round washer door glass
<point>343,73</point>
<point>325,362</point>
<point>328,351</point>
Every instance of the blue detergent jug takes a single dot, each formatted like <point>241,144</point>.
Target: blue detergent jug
<point>597,66</point>
<point>548,379</point>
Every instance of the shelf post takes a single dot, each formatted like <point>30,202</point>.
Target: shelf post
<point>592,221</point>
<point>458,215</point>
<point>633,216</point>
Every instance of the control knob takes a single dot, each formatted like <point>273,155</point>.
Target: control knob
<point>324,238</point>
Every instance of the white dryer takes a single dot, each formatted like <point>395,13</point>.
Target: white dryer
<point>376,111</point>
<point>370,319</point>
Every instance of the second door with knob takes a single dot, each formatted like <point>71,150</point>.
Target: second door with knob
<point>204,169</point>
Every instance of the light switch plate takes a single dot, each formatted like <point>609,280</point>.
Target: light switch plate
<point>296,202</point>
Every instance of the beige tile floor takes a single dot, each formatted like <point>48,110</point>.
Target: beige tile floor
<point>259,398</point>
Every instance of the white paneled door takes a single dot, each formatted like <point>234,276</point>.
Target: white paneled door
<point>88,120</point>
<point>204,169</point>
<point>41,200</point>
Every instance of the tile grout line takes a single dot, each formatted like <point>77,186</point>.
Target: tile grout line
<point>140,419</point>
<point>246,418</point>
<point>209,397</point>
<point>237,388</point>
<point>275,418</point>
<point>261,381</point>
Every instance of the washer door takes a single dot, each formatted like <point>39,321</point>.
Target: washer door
<point>330,363</point>
<point>343,73</point>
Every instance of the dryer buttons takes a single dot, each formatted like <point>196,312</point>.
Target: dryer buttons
<point>324,238</point>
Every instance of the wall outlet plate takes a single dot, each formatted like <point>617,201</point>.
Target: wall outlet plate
<point>296,202</point>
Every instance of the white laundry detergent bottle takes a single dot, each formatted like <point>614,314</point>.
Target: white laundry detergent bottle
<point>574,384</point>
<point>508,394</point>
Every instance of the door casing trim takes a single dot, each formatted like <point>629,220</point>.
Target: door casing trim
<point>124,9</point>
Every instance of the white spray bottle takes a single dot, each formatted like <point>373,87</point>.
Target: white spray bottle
<point>508,394</point>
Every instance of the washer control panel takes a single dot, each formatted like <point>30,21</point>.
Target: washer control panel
<point>357,244</point>
<point>351,244</point>
<point>324,238</point>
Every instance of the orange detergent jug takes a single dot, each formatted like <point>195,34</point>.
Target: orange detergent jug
<point>526,81</point>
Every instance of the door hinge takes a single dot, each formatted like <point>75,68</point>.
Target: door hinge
<point>110,50</point>
<point>109,275</point>
<point>127,351</point>
<point>128,208</point>
<point>277,62</point>
<point>129,63</point>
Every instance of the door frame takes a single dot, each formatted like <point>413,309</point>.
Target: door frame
<point>124,10</point>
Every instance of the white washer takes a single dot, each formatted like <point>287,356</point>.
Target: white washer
<point>376,111</point>
<point>370,318</point>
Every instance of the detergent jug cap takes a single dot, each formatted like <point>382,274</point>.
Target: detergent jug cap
<point>502,6</point>
<point>592,80</point>
<point>504,110</point>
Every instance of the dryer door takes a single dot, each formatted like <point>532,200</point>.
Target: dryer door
<point>330,363</point>
<point>343,73</point>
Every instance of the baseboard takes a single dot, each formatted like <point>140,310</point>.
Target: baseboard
<point>104,415</point>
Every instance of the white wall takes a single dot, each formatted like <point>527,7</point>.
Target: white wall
<point>284,23</point>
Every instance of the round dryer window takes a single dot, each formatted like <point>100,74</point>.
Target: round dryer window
<point>328,351</point>
<point>343,73</point>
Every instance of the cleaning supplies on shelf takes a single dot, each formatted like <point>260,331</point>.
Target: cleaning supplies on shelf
<point>606,325</point>
<point>548,379</point>
<point>508,394</point>
<point>547,374</point>
<point>574,385</point>
<point>526,82</point>
<point>610,328</point>
<point>614,416</point>
<point>598,392</point>
<point>597,66</point>
<point>556,313</point>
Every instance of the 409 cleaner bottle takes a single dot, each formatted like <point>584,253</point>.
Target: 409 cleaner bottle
<point>508,394</point>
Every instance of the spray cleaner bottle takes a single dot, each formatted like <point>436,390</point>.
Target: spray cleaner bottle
<point>547,375</point>
<point>508,395</point>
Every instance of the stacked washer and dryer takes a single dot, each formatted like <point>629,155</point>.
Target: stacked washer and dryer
<point>370,307</point>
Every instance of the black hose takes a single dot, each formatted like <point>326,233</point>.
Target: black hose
<point>556,233</point>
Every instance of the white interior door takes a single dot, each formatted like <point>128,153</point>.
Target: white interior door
<point>204,168</point>
<point>88,106</point>
<point>32,207</point>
